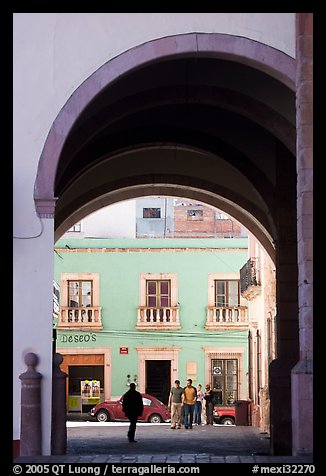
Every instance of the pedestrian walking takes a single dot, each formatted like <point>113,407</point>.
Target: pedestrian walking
<point>132,406</point>
<point>174,403</point>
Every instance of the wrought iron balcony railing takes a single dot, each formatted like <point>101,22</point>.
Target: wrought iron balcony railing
<point>250,285</point>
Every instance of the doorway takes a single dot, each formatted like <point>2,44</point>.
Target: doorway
<point>158,379</point>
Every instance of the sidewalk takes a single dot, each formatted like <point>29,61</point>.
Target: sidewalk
<point>198,458</point>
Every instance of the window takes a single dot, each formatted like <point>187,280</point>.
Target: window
<point>80,301</point>
<point>258,363</point>
<point>158,304</point>
<point>151,213</point>
<point>251,365</point>
<point>270,337</point>
<point>226,307</point>
<point>76,228</point>
<point>224,375</point>
<point>158,296</point>
<point>56,299</point>
<point>226,293</point>
<point>158,293</point>
<point>80,294</point>
<point>221,216</point>
<point>147,402</point>
<point>195,215</point>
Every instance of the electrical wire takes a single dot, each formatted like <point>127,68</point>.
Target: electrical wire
<point>161,334</point>
<point>218,257</point>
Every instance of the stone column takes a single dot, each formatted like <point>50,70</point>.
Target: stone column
<point>302,373</point>
<point>287,325</point>
<point>59,408</point>
<point>30,429</point>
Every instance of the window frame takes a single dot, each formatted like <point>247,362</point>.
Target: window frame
<point>149,212</point>
<point>226,399</point>
<point>80,295</point>
<point>158,295</point>
<point>93,277</point>
<point>194,214</point>
<point>76,228</point>
<point>212,277</point>
<point>172,277</point>
<point>228,353</point>
<point>227,292</point>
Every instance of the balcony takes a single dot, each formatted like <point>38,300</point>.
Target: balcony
<point>80,318</point>
<point>227,318</point>
<point>162,318</point>
<point>250,279</point>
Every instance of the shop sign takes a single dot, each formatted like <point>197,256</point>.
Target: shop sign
<point>124,350</point>
<point>90,392</point>
<point>78,338</point>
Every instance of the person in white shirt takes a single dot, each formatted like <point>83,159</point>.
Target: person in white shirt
<point>198,405</point>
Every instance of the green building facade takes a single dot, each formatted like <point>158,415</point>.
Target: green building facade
<point>151,311</point>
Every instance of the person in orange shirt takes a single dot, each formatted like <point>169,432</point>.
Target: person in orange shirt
<point>189,396</point>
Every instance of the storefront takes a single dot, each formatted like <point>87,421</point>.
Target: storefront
<point>85,382</point>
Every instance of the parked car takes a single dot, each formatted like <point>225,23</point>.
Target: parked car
<point>224,414</point>
<point>154,410</point>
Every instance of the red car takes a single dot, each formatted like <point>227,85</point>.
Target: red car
<point>154,410</point>
<point>224,414</point>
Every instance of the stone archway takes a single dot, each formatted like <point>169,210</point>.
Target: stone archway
<point>242,51</point>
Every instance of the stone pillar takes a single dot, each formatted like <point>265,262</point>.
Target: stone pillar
<point>30,429</point>
<point>59,409</point>
<point>302,373</point>
<point>287,325</point>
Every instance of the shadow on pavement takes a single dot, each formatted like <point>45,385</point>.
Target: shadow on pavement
<point>156,439</point>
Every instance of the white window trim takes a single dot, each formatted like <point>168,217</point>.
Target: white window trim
<point>156,353</point>
<point>226,353</point>
<point>222,277</point>
<point>173,277</point>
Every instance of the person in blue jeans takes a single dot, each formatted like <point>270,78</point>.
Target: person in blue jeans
<point>198,405</point>
<point>189,396</point>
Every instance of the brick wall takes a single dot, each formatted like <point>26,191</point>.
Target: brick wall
<point>199,221</point>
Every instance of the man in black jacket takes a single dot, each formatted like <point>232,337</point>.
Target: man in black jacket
<point>133,407</point>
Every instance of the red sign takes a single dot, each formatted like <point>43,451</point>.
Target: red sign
<point>124,350</point>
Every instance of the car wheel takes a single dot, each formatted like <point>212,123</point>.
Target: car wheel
<point>227,421</point>
<point>102,415</point>
<point>155,418</point>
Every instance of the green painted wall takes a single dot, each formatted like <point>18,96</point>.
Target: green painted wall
<point>119,298</point>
